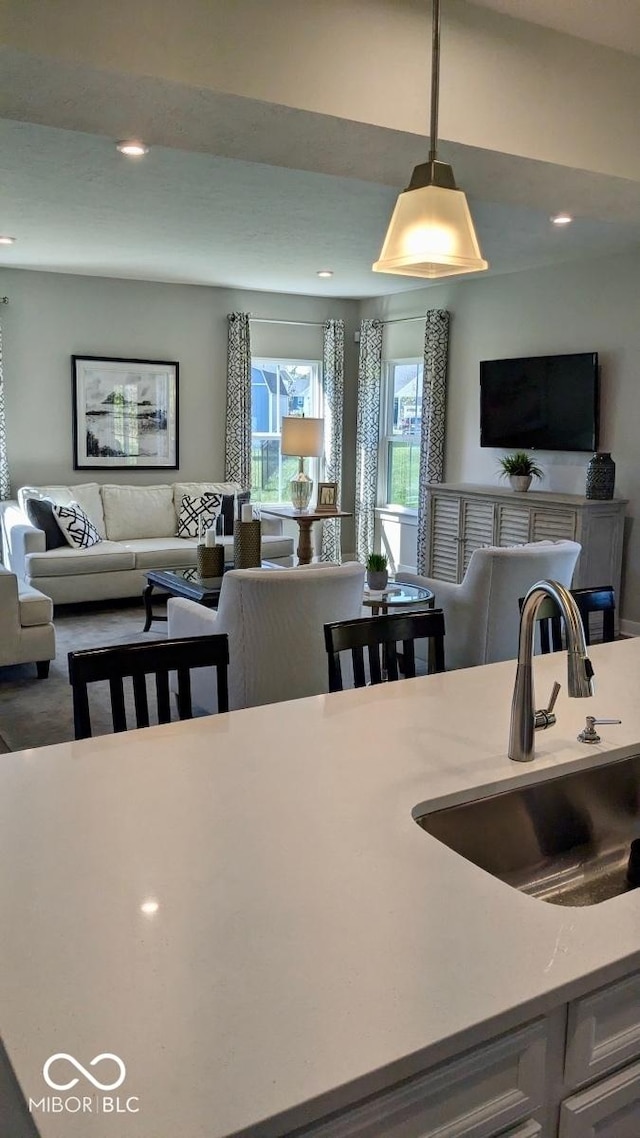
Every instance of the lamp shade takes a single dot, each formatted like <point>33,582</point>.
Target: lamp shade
<point>302,437</point>
<point>430,234</point>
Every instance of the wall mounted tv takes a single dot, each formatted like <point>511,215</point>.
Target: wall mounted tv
<point>540,402</point>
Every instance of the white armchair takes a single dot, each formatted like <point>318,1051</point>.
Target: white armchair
<point>274,619</point>
<point>481,613</point>
<point>26,624</point>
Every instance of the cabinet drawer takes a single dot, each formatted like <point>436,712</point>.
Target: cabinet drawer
<point>478,1095</point>
<point>610,1109</point>
<point>603,1031</point>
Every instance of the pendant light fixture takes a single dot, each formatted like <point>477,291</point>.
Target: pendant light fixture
<point>431,232</point>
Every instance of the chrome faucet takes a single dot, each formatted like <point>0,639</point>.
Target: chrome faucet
<point>524,718</point>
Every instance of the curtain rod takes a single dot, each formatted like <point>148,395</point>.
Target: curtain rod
<point>320,323</point>
<point>296,323</point>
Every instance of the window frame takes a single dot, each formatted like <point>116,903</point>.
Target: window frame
<point>313,466</point>
<point>387,437</point>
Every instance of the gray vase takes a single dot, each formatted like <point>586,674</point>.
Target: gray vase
<point>601,476</point>
<point>377,579</point>
<point>520,482</point>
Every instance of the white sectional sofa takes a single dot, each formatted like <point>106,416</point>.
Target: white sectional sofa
<point>137,525</point>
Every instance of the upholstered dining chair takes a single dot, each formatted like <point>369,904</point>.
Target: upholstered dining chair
<point>380,636</point>
<point>274,619</point>
<point>137,661</point>
<point>481,613</point>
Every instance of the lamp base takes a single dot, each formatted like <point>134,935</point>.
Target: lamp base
<point>301,489</point>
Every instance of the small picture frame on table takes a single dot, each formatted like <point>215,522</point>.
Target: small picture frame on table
<point>327,502</point>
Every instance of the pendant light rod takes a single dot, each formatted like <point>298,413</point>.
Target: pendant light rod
<point>435,79</point>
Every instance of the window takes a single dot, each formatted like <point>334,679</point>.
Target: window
<point>279,387</point>
<point>401,426</point>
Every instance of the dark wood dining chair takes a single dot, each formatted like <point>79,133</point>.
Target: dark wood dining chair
<point>380,636</point>
<point>599,599</point>
<point>137,661</point>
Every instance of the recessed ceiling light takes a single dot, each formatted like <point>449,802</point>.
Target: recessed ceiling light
<point>132,148</point>
<point>562,219</point>
<point>7,240</point>
<point>325,273</point>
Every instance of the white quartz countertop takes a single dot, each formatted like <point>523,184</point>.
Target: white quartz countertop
<point>311,944</point>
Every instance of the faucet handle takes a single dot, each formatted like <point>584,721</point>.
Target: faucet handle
<point>589,733</point>
<point>545,717</point>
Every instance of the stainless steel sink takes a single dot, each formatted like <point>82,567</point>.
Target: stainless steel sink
<point>566,840</point>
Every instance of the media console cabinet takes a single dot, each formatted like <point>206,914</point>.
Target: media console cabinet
<point>463,517</point>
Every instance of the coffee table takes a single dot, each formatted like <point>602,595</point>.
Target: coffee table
<point>397,595</point>
<point>180,582</point>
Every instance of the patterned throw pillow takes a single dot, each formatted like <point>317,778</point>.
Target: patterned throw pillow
<point>78,529</point>
<point>192,510</point>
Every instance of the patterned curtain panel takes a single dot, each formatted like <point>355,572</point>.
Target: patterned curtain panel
<point>434,396</point>
<point>238,424</point>
<point>368,434</point>
<point>5,488</point>
<point>333,398</point>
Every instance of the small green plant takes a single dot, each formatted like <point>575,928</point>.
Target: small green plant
<point>519,465</point>
<point>377,562</point>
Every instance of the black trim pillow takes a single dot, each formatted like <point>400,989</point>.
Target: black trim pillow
<point>40,513</point>
<point>76,526</point>
<point>205,507</point>
<point>230,509</point>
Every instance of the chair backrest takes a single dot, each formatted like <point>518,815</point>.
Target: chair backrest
<point>380,635</point>
<point>137,661</point>
<point>494,581</point>
<point>274,619</point>
<point>599,599</point>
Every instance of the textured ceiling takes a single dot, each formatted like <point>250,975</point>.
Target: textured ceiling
<point>316,193</point>
<point>613,23</point>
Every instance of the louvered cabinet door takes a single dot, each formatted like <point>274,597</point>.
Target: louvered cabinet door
<point>477,528</point>
<point>513,525</point>
<point>444,543</point>
<point>553,525</point>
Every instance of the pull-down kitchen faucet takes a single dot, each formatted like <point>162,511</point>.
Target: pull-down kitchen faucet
<point>524,717</point>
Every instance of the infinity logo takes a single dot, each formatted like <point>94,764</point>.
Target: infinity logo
<point>83,1071</point>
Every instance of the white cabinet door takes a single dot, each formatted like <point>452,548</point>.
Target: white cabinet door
<point>513,524</point>
<point>553,525</point>
<point>482,1094</point>
<point>610,1109</point>
<point>477,528</point>
<point>445,540</point>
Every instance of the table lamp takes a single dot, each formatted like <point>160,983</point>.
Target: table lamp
<point>303,438</point>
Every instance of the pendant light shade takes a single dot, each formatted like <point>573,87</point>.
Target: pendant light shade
<point>431,232</point>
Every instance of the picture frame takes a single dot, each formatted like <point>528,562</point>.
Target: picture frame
<point>125,413</point>
<point>327,498</point>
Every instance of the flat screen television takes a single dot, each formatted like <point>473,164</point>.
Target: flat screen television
<point>540,402</point>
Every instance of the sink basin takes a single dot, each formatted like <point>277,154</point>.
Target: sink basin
<point>565,840</point>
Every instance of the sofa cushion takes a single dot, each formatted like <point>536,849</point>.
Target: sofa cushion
<point>197,512</point>
<point>35,608</point>
<point>86,494</point>
<point>68,562</point>
<point>40,514</point>
<point>138,511</point>
<point>76,526</point>
<point>162,552</point>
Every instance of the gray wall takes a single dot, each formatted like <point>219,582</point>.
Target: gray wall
<point>53,316</point>
<point>584,306</point>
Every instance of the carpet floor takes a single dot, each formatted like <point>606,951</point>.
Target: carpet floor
<point>35,713</point>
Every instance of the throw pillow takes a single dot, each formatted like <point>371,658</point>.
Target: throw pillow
<point>194,510</point>
<point>77,528</point>
<point>231,504</point>
<point>40,514</point>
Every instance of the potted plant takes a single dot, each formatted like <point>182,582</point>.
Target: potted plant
<point>377,571</point>
<point>519,468</point>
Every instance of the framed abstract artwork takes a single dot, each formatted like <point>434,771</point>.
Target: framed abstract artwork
<point>125,413</point>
